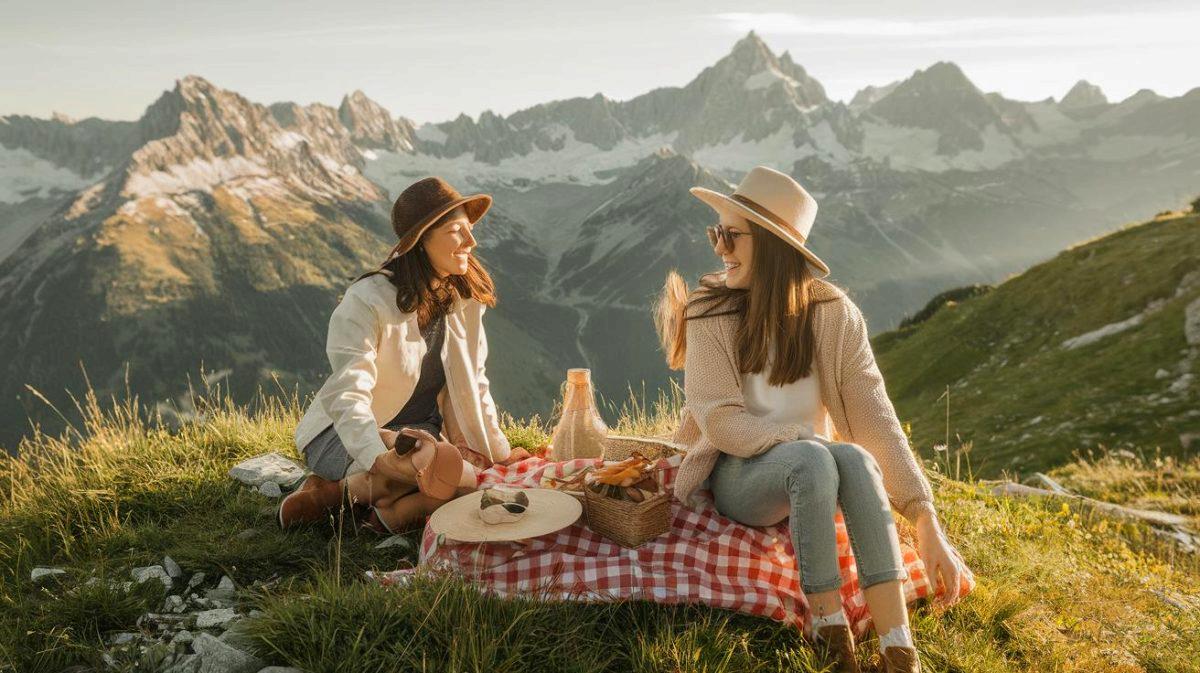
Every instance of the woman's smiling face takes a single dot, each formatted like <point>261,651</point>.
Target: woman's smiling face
<point>738,259</point>
<point>449,243</point>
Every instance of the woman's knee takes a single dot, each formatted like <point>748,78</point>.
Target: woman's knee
<point>850,456</point>
<point>810,465</point>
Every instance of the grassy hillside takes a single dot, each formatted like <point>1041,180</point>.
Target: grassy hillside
<point>1021,399</point>
<point>1059,589</point>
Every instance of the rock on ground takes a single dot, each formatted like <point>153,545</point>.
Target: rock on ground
<point>270,489</point>
<point>172,568</point>
<point>40,573</point>
<point>148,573</point>
<point>270,467</point>
<point>218,657</point>
<point>218,617</point>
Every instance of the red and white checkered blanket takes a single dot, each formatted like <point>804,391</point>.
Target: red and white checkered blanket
<point>702,558</point>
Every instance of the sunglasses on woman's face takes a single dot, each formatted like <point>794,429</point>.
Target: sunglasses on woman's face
<point>728,237</point>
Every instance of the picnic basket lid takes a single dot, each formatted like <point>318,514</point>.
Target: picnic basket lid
<point>548,511</point>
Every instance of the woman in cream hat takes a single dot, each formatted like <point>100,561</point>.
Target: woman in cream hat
<point>786,415</point>
<point>407,348</point>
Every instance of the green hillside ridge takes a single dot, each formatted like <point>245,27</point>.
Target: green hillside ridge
<point>1020,400</point>
<point>1058,588</point>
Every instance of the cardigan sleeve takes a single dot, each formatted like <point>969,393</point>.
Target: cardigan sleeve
<point>714,396</point>
<point>352,346</point>
<point>871,420</point>
<point>498,442</point>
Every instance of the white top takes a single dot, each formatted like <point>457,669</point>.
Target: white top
<point>795,402</point>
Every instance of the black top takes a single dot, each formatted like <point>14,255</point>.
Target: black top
<point>421,410</point>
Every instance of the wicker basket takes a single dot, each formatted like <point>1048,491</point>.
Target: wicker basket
<point>620,447</point>
<point>625,522</point>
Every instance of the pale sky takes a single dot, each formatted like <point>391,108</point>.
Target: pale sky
<point>432,60</point>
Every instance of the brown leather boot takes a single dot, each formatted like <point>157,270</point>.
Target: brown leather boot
<point>312,502</point>
<point>840,641</point>
<point>901,660</point>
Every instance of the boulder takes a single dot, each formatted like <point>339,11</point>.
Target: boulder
<point>172,568</point>
<point>269,467</point>
<point>41,573</point>
<point>218,657</point>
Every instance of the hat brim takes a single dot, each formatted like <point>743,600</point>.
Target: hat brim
<point>549,511</point>
<point>475,205</point>
<point>722,203</point>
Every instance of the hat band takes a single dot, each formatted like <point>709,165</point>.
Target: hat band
<point>760,210</point>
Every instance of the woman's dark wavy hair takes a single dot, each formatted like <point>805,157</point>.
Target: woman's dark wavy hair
<point>413,276</point>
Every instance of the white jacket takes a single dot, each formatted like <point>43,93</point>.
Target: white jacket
<point>375,351</point>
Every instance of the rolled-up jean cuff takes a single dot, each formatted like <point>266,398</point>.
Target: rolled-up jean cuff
<point>822,587</point>
<point>865,581</point>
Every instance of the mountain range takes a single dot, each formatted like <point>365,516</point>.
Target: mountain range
<point>216,232</point>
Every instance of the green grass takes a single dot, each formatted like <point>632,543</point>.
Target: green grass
<point>1022,400</point>
<point>1058,590</point>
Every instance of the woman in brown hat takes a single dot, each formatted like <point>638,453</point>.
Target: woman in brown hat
<point>408,352</point>
<point>786,415</point>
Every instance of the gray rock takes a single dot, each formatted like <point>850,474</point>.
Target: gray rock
<point>248,534</point>
<point>267,467</point>
<point>270,489</point>
<point>172,568</point>
<point>226,583</point>
<point>218,657</point>
<point>147,573</point>
<point>196,581</point>
<point>174,604</point>
<point>41,573</point>
<point>188,663</point>
<point>122,638</point>
<point>1191,323</point>
<point>219,617</point>
<point>183,636</point>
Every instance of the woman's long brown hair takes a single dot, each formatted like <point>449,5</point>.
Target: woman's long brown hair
<point>776,308</point>
<point>413,276</point>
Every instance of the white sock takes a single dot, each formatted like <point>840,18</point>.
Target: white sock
<point>832,619</point>
<point>899,636</point>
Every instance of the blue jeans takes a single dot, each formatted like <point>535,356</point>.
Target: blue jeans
<point>805,481</point>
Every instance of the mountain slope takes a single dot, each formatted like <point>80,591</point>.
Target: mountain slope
<point>1099,346</point>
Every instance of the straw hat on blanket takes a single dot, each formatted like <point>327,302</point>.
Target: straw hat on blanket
<point>548,511</point>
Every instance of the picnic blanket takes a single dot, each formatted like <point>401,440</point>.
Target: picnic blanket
<point>702,558</point>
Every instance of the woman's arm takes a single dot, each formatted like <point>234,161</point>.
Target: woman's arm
<point>713,393</point>
<point>351,346</point>
<point>871,420</point>
<point>872,423</point>
<point>491,417</point>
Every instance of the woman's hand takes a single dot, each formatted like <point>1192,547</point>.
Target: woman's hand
<point>941,560</point>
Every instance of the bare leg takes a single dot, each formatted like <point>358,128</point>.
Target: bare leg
<point>825,603</point>
<point>886,603</point>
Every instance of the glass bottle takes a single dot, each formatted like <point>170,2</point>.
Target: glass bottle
<point>581,431</point>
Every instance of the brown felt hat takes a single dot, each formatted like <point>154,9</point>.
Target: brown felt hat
<point>422,204</point>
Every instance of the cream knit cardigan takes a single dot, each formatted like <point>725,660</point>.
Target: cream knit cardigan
<point>714,417</point>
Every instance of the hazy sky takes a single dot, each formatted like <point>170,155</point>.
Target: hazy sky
<point>431,61</point>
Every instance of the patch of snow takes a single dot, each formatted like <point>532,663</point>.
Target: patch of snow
<point>198,174</point>
<point>916,149</point>
<point>24,176</point>
<point>576,163</point>
<point>777,150</point>
<point>1089,338</point>
<point>766,77</point>
<point>287,140</point>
